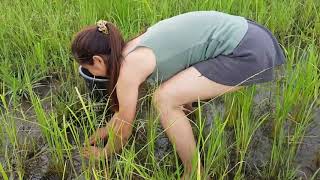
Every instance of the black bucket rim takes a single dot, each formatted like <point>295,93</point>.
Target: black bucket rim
<point>94,78</point>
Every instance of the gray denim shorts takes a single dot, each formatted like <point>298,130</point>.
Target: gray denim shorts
<point>251,62</point>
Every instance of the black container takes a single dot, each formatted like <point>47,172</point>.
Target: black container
<point>97,85</point>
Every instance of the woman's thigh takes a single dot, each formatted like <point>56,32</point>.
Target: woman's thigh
<point>188,86</point>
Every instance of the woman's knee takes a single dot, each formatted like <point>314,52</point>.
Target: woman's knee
<point>163,98</point>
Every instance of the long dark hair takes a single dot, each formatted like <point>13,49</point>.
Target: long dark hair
<point>90,41</point>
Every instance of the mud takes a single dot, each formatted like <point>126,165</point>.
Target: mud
<point>37,162</point>
<point>307,159</point>
<point>308,156</point>
<point>37,165</point>
<point>30,144</point>
<point>162,145</point>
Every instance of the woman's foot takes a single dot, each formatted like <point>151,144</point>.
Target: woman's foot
<point>184,177</point>
<point>187,175</point>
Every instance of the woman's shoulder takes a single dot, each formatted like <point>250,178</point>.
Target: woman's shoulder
<point>141,63</point>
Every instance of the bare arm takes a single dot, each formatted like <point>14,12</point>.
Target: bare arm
<point>122,122</point>
<point>133,73</point>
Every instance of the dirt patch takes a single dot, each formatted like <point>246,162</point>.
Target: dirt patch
<point>30,151</point>
<point>37,161</point>
<point>308,155</point>
<point>259,152</point>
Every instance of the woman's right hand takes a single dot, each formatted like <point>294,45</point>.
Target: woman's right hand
<point>102,133</point>
<point>99,134</point>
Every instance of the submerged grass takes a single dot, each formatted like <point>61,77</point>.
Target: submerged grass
<point>34,48</point>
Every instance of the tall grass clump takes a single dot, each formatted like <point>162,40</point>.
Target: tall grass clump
<point>46,110</point>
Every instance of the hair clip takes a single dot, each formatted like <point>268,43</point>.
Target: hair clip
<point>102,26</point>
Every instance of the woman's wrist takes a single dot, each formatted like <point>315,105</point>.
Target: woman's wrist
<point>121,126</point>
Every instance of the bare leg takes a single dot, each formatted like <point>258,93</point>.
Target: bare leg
<point>185,87</point>
<point>179,131</point>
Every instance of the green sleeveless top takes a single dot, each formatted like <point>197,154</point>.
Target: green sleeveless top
<point>183,40</point>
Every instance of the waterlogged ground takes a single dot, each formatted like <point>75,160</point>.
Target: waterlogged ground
<point>36,163</point>
<point>270,131</point>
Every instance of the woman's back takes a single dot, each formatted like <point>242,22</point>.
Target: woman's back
<point>183,40</point>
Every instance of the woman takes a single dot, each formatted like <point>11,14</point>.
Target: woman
<point>200,54</point>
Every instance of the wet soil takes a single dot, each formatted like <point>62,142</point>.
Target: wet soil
<point>37,163</point>
<point>307,160</point>
<point>308,156</point>
<point>30,144</point>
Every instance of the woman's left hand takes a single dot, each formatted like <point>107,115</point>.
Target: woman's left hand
<point>114,145</point>
<point>121,132</point>
<point>94,152</point>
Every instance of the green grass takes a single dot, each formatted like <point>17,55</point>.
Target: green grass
<point>35,40</point>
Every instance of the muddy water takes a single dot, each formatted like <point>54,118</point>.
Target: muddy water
<point>38,163</point>
<point>307,159</point>
<point>308,156</point>
<point>31,144</point>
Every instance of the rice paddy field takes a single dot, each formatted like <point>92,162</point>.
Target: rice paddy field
<point>265,131</point>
